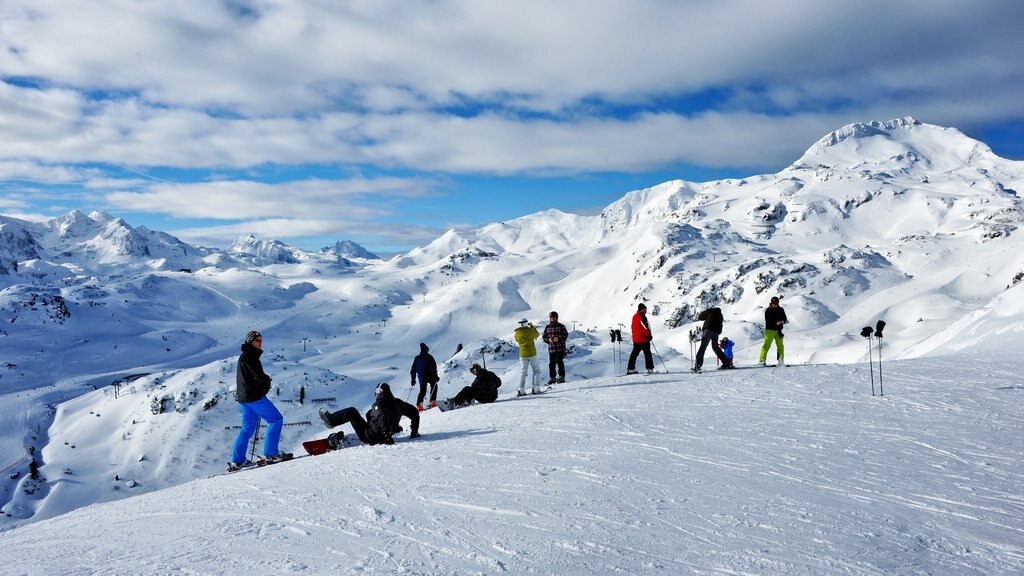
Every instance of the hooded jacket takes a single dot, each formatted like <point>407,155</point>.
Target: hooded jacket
<point>713,320</point>
<point>641,328</point>
<point>424,367</point>
<point>525,336</point>
<point>251,382</point>
<point>485,386</point>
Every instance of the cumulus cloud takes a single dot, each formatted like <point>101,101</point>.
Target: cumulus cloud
<point>470,87</point>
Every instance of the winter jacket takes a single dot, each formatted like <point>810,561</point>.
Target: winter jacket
<point>727,348</point>
<point>713,320</point>
<point>553,331</point>
<point>772,316</point>
<point>525,336</point>
<point>251,382</point>
<point>425,367</point>
<point>382,419</point>
<point>641,329</point>
<point>485,386</point>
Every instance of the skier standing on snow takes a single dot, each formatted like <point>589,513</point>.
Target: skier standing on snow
<point>484,389</point>
<point>555,336</point>
<point>713,321</point>
<point>251,387</point>
<point>642,338</point>
<point>382,419</point>
<point>425,367</point>
<point>525,336</point>
<point>774,320</point>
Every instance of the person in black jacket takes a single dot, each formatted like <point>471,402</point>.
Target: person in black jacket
<point>425,367</point>
<point>382,419</point>
<point>484,389</point>
<point>713,321</point>
<point>251,387</point>
<point>774,320</point>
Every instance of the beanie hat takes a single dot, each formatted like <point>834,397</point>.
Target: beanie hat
<point>381,388</point>
<point>641,306</point>
<point>474,368</point>
<point>252,335</point>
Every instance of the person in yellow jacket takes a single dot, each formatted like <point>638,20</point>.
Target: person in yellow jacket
<point>525,336</point>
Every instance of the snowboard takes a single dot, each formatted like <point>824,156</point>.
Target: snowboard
<point>324,445</point>
<point>262,462</point>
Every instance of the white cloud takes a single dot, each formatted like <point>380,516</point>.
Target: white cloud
<point>351,199</point>
<point>470,87</point>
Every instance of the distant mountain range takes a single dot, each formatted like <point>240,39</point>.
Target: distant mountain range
<point>910,222</point>
<point>99,244</point>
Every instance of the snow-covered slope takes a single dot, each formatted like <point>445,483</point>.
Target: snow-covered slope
<point>765,471</point>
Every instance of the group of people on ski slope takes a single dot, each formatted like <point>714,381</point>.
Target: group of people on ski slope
<point>381,421</point>
<point>711,330</point>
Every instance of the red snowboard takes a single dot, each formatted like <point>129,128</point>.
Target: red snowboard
<point>324,445</point>
<point>316,447</point>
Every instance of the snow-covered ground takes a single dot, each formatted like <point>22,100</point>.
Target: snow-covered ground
<point>754,471</point>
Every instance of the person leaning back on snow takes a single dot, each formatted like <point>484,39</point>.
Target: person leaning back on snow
<point>251,387</point>
<point>642,337</point>
<point>774,320</point>
<point>525,335</point>
<point>555,336</point>
<point>425,367</point>
<point>382,419</point>
<point>484,389</point>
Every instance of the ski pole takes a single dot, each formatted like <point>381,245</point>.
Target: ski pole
<point>659,357</point>
<point>866,333</point>
<point>881,390</point>
<point>255,439</point>
<point>878,334</point>
<point>871,365</point>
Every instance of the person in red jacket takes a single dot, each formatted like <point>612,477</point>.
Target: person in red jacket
<point>641,341</point>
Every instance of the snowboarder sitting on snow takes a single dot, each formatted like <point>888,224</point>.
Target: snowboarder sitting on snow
<point>381,422</point>
<point>484,388</point>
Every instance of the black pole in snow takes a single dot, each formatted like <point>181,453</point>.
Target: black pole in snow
<point>880,389</point>
<point>878,334</point>
<point>871,365</point>
<point>255,439</point>
<point>866,333</point>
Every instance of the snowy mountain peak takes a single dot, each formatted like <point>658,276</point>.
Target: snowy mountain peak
<point>898,144</point>
<point>349,249</point>
<point>74,224</point>
<point>264,251</point>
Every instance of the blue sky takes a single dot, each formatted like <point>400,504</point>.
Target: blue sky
<point>388,122</point>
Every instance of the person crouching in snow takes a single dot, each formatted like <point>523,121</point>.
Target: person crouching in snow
<point>484,389</point>
<point>382,419</point>
<point>726,345</point>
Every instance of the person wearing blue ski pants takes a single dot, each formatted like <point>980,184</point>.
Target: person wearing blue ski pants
<point>252,412</point>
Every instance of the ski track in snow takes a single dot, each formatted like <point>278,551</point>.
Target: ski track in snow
<point>798,471</point>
